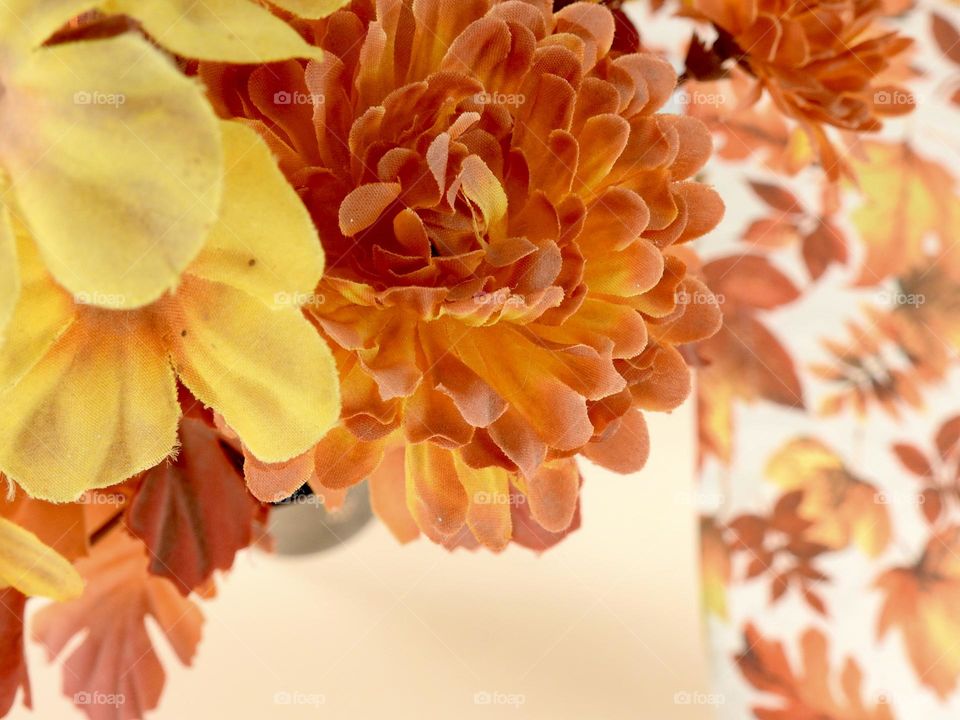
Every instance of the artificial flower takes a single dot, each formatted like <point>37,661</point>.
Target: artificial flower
<point>111,153</point>
<point>820,61</point>
<point>499,202</point>
<point>119,199</point>
<point>90,394</point>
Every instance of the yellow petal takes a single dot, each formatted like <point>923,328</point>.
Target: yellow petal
<point>310,9</point>
<point>267,371</point>
<point>34,568</point>
<point>99,407</point>
<point>27,23</point>
<point>488,495</point>
<point>43,312</point>
<point>9,273</point>
<point>265,242</point>
<point>234,31</point>
<point>116,165</point>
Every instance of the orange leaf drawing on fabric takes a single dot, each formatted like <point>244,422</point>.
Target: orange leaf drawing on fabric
<point>937,473</point>
<point>887,360</point>
<point>745,359</point>
<point>842,508</point>
<point>907,199</point>
<point>776,547</point>
<point>812,691</point>
<point>920,601</point>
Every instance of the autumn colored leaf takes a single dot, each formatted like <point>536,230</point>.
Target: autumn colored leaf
<point>13,663</point>
<point>715,567</point>
<point>116,660</point>
<point>777,197</point>
<point>938,472</point>
<point>947,37</point>
<point>887,360</point>
<point>921,602</point>
<point>745,360</point>
<point>778,546</point>
<point>906,198</point>
<point>842,508</point>
<point>194,512</point>
<point>811,691</point>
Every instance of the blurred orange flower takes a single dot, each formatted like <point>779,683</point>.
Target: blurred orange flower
<point>499,202</point>
<point>820,61</point>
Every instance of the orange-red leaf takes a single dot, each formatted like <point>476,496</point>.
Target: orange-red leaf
<point>193,513</point>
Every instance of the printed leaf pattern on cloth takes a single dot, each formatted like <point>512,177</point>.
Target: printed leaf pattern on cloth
<point>804,691</point>
<point>920,601</point>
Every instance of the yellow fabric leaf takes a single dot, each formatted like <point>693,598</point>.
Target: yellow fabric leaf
<point>267,371</point>
<point>43,312</point>
<point>265,242</point>
<point>99,407</point>
<point>9,274</point>
<point>34,568</point>
<point>116,164</point>
<point>310,9</point>
<point>234,31</point>
<point>27,23</point>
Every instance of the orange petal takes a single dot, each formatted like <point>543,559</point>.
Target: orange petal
<point>435,497</point>
<point>273,482</point>
<point>362,207</point>
<point>342,460</point>
<point>388,497</point>
<point>553,493</point>
<point>627,449</point>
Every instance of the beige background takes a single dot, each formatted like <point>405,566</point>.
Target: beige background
<point>604,626</point>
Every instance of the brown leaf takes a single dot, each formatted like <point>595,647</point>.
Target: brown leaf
<point>116,661</point>
<point>913,460</point>
<point>823,246</point>
<point>947,36</point>
<point>777,197</point>
<point>948,437</point>
<point>193,513</point>
<point>748,281</point>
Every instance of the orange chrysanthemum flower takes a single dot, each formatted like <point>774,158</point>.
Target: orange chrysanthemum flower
<point>499,204</point>
<point>820,60</point>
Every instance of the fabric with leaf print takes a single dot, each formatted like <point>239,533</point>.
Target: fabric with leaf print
<point>830,410</point>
